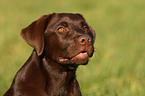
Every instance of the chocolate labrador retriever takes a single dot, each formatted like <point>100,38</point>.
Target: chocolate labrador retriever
<point>61,42</point>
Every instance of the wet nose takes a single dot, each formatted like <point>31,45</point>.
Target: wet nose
<point>84,40</point>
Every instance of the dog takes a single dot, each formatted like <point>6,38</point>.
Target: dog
<point>61,42</point>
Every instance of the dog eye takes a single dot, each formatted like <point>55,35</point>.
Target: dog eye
<point>60,29</point>
<point>86,28</point>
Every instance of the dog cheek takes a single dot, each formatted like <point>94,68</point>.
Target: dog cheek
<point>50,47</point>
<point>53,46</point>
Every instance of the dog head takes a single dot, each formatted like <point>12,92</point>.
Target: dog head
<point>62,37</point>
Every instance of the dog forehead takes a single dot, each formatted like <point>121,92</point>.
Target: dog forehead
<point>70,17</point>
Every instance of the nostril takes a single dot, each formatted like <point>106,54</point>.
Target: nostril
<point>82,41</point>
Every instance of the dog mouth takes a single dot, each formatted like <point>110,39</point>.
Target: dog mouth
<point>80,56</point>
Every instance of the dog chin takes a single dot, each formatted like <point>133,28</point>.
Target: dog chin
<point>81,62</point>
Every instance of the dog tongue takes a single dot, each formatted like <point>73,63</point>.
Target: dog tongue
<point>81,56</point>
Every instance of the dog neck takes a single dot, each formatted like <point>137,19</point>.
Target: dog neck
<point>57,70</point>
<point>55,79</point>
<point>60,77</point>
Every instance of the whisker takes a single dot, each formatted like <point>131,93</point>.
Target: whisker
<point>97,51</point>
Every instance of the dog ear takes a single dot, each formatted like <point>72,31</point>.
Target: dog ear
<point>34,33</point>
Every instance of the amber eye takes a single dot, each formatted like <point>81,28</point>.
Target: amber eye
<point>60,29</point>
<point>86,28</point>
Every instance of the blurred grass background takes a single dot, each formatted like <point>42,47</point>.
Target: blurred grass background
<point>118,65</point>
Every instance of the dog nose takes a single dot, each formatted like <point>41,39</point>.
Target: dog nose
<point>84,40</point>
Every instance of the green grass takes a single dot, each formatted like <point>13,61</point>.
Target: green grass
<point>118,65</point>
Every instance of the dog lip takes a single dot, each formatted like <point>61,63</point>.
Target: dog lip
<point>81,56</point>
<point>62,59</point>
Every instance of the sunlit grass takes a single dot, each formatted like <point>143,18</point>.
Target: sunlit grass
<point>118,65</point>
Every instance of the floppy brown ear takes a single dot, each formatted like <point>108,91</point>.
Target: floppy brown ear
<point>34,33</point>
